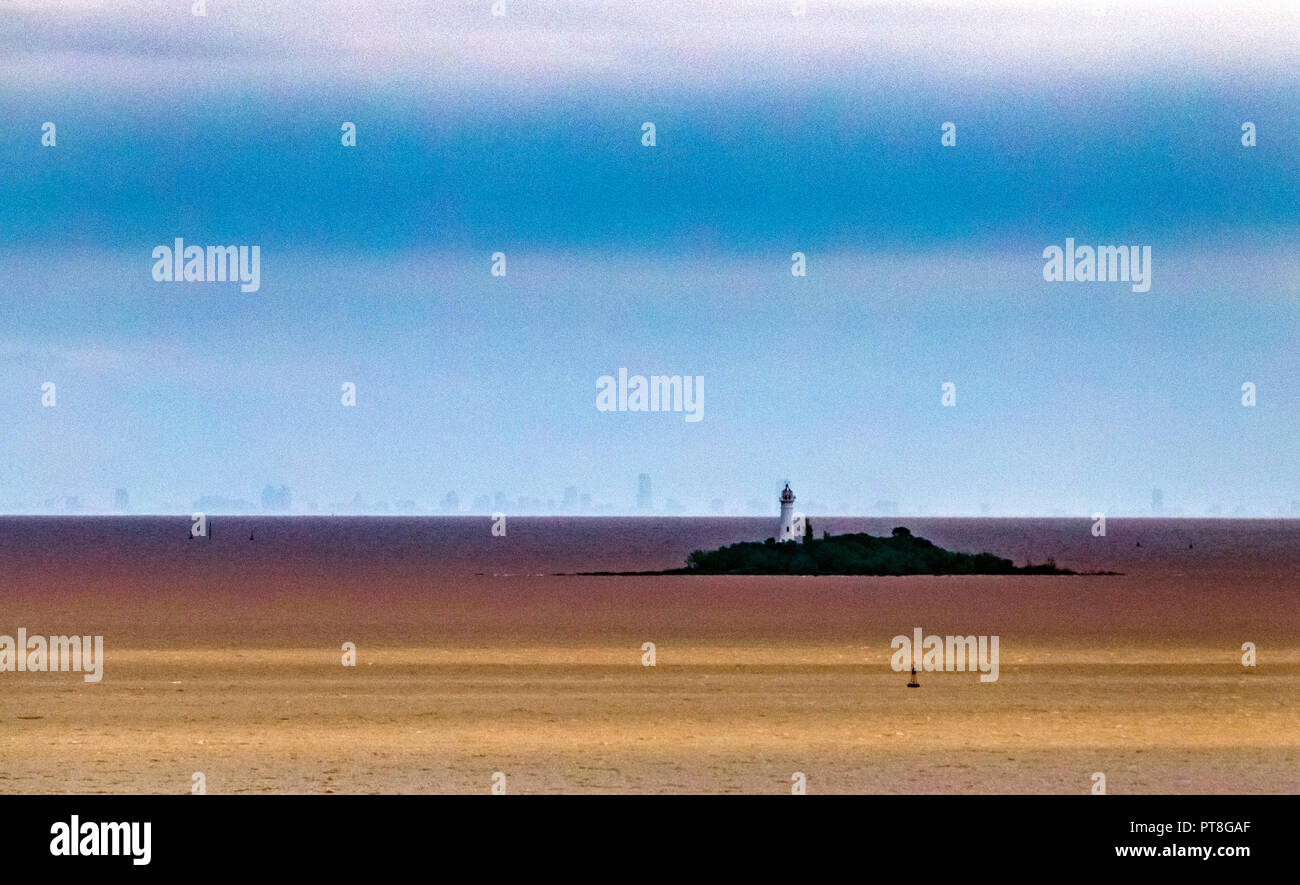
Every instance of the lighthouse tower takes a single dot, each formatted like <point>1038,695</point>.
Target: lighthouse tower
<point>789,531</point>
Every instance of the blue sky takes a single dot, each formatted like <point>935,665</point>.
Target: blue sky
<point>775,134</point>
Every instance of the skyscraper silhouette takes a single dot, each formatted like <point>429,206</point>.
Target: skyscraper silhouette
<point>643,498</point>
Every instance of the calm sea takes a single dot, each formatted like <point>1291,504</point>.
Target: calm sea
<point>140,554</point>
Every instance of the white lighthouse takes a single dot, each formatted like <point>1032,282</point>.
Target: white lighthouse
<point>790,528</point>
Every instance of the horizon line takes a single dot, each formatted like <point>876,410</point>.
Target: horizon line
<point>1086,517</point>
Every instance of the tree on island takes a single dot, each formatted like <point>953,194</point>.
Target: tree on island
<point>854,554</point>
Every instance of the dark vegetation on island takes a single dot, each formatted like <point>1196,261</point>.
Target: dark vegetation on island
<point>855,554</point>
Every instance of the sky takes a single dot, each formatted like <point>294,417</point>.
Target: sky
<point>775,133</point>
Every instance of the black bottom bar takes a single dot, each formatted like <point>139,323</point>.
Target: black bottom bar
<point>645,836</point>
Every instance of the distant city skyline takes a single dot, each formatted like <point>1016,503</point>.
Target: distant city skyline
<point>573,502</point>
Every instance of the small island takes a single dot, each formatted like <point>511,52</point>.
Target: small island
<point>797,552</point>
<point>856,554</point>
